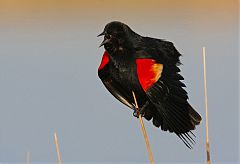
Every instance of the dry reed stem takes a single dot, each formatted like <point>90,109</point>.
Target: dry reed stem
<point>57,148</point>
<point>144,131</point>
<point>28,158</point>
<point>206,105</point>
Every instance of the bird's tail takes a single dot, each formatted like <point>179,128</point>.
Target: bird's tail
<point>195,119</point>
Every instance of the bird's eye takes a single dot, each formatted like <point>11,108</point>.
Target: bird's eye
<point>107,36</point>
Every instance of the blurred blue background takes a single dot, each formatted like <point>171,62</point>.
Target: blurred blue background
<point>49,57</point>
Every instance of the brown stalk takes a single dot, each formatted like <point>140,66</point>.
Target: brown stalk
<point>57,148</point>
<point>206,105</point>
<point>143,130</point>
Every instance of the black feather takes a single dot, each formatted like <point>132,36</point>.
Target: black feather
<point>168,105</point>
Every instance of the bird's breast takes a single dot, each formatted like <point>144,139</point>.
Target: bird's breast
<point>125,73</point>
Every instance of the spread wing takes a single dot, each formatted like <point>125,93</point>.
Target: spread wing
<point>161,81</point>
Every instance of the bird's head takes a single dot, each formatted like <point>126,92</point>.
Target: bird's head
<point>116,37</point>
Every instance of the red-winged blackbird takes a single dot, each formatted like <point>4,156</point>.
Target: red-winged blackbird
<point>149,67</point>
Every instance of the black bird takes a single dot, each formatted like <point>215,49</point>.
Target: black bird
<point>149,67</point>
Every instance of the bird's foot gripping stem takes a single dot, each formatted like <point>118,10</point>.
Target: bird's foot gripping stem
<point>140,111</point>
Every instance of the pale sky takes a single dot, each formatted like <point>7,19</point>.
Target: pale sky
<point>49,57</point>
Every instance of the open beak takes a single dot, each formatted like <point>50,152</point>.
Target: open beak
<point>104,42</point>
<point>101,34</point>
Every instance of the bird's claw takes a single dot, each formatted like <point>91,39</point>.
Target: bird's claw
<point>138,112</point>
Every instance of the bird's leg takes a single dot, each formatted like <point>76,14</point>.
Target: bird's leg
<point>140,111</point>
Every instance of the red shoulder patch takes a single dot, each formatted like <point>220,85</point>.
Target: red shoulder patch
<point>148,72</point>
<point>105,60</point>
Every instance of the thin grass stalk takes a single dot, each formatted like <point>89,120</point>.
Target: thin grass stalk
<point>28,158</point>
<point>143,130</point>
<point>57,148</point>
<point>206,105</point>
